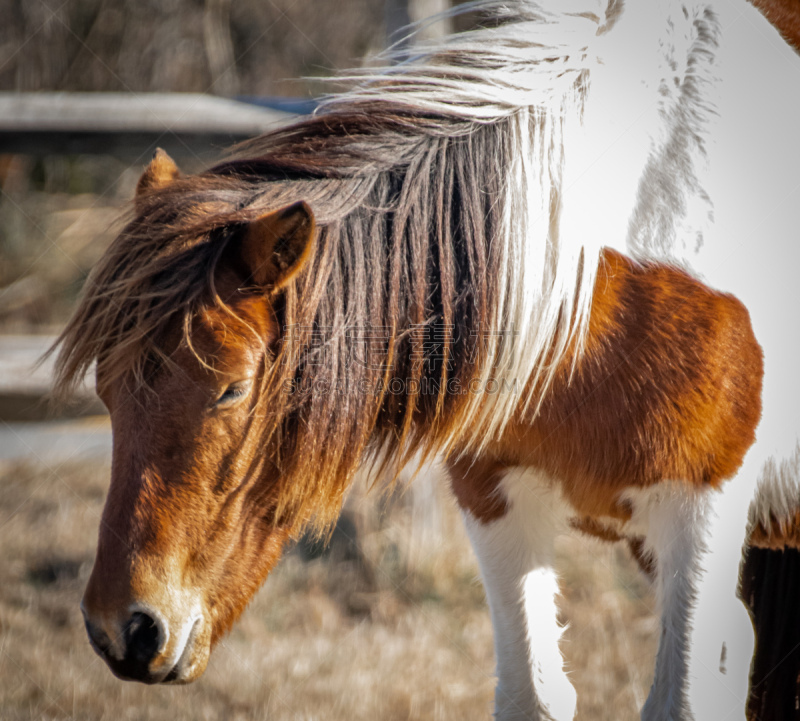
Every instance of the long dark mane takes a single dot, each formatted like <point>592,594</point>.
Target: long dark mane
<point>402,276</point>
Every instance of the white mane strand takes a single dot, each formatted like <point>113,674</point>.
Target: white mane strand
<point>533,70</point>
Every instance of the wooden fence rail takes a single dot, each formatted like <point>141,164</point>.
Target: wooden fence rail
<point>129,125</point>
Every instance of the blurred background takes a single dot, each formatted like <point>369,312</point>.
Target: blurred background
<point>390,621</point>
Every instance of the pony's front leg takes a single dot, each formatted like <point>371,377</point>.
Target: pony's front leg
<point>512,525</point>
<point>676,522</point>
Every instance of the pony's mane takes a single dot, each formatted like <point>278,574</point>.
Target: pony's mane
<point>436,185</point>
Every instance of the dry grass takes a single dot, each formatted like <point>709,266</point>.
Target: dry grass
<point>391,627</point>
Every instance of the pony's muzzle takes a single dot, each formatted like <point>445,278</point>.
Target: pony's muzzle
<point>139,648</point>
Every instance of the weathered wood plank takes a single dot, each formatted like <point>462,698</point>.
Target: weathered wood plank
<point>129,125</point>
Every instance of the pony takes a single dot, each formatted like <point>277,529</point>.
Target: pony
<point>548,251</point>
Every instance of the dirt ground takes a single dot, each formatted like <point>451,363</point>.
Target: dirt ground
<point>391,626</point>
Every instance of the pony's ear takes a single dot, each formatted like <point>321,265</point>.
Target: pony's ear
<point>277,245</point>
<point>161,172</point>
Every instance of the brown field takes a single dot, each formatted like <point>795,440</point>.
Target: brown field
<point>390,624</point>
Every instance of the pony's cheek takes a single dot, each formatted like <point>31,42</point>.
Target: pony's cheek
<point>251,550</point>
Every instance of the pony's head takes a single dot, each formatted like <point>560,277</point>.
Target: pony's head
<point>192,523</point>
<point>252,356</point>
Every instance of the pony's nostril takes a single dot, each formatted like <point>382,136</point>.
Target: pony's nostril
<point>141,639</point>
<point>98,637</point>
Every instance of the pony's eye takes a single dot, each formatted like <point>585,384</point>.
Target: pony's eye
<point>232,395</point>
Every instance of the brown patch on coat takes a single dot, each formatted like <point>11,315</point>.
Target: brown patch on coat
<point>645,560</point>
<point>597,529</point>
<point>476,486</point>
<point>785,16</point>
<point>668,388</point>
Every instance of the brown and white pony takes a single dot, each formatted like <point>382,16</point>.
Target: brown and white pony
<point>489,252</point>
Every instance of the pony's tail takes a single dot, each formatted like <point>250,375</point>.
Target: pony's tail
<point>771,590</point>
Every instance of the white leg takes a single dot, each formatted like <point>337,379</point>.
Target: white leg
<point>674,518</point>
<point>515,554</point>
<point>722,637</point>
